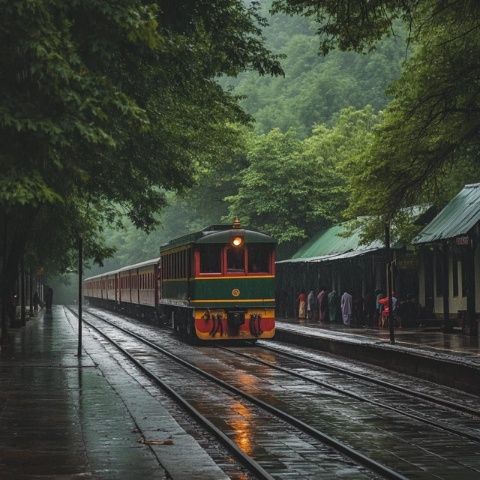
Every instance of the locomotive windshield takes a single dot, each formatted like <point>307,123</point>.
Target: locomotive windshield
<point>210,259</point>
<point>259,259</point>
<point>235,260</point>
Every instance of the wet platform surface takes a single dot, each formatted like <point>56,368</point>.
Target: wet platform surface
<point>65,417</point>
<point>421,339</point>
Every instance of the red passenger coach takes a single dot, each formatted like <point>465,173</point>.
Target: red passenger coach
<point>132,289</point>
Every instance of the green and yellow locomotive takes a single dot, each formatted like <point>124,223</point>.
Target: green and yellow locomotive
<point>219,284</point>
<point>216,284</point>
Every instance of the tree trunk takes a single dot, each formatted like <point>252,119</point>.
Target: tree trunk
<point>16,223</point>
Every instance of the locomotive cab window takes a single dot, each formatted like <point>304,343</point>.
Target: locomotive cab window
<point>258,259</point>
<point>235,260</point>
<point>210,259</point>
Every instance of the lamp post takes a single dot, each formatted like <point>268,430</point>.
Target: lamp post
<point>80,274</point>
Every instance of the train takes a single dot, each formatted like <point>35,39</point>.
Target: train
<point>214,284</point>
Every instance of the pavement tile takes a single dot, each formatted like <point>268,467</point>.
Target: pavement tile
<point>64,418</point>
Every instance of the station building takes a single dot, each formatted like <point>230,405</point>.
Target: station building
<point>449,261</point>
<point>336,258</point>
<point>439,271</point>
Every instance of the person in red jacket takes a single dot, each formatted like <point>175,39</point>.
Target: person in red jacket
<point>386,310</point>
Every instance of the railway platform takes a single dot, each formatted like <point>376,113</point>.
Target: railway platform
<point>64,416</point>
<point>449,359</point>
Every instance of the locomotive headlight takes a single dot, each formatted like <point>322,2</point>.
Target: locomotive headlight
<point>237,241</point>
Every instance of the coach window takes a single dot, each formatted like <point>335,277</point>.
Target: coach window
<point>235,259</point>
<point>210,259</point>
<point>258,259</point>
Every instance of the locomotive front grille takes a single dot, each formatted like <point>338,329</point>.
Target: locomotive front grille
<point>235,318</point>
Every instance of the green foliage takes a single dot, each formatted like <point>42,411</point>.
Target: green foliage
<point>315,87</point>
<point>287,187</point>
<point>108,105</point>
<point>292,188</point>
<point>352,24</point>
<point>427,143</point>
<point>305,104</point>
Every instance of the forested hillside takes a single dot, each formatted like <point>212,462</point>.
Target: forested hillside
<point>315,87</point>
<point>307,126</point>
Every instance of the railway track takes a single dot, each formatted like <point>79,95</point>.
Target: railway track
<point>300,422</point>
<point>366,378</point>
<point>359,458</point>
<point>343,391</point>
<point>246,460</point>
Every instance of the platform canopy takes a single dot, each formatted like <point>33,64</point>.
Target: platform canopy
<point>458,217</point>
<point>332,244</point>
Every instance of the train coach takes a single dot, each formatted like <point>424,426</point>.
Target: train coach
<point>215,284</point>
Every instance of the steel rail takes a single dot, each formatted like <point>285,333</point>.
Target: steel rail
<point>356,396</point>
<point>383,383</point>
<point>246,460</point>
<point>315,433</point>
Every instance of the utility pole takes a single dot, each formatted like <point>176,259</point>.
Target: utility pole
<point>80,274</point>
<point>23,293</point>
<point>388,254</point>
<point>3,290</point>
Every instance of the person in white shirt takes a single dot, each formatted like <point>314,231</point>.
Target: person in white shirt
<point>346,308</point>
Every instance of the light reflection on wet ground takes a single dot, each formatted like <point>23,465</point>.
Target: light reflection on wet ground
<point>282,450</point>
<point>405,444</point>
<point>242,428</point>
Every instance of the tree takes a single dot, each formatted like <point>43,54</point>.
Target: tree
<point>315,87</point>
<point>353,24</point>
<point>433,122</point>
<point>293,188</point>
<point>106,105</point>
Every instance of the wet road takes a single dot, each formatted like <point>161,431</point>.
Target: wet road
<point>407,445</point>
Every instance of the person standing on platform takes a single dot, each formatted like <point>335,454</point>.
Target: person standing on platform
<point>346,307</point>
<point>378,306</point>
<point>310,304</point>
<point>333,307</point>
<point>36,301</point>
<point>301,303</point>
<point>322,303</point>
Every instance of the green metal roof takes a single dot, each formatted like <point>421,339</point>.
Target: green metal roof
<point>330,245</point>
<point>226,235</point>
<point>459,216</point>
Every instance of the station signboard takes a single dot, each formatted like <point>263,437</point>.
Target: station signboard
<point>463,240</point>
